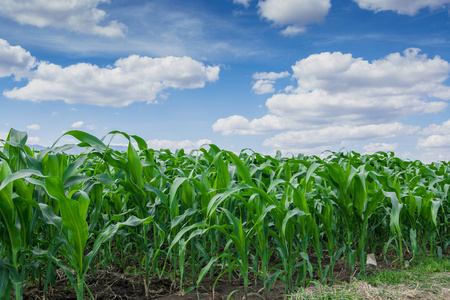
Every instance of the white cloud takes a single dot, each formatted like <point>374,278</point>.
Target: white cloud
<point>375,147</point>
<point>73,15</point>
<point>265,81</point>
<point>131,79</point>
<point>436,147</point>
<point>263,87</point>
<point>292,30</point>
<point>435,141</point>
<point>433,129</point>
<point>433,156</point>
<point>404,7</point>
<point>238,125</point>
<point>337,72</point>
<point>14,60</point>
<point>33,140</point>
<point>158,144</point>
<point>319,108</point>
<point>335,89</point>
<point>436,144</point>
<point>336,134</point>
<point>34,127</point>
<point>77,124</point>
<point>296,14</point>
<point>174,145</point>
<point>243,2</point>
<point>321,151</point>
<point>270,75</point>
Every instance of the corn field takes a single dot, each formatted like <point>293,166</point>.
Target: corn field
<point>211,214</point>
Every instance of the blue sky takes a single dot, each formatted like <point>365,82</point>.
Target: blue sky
<point>300,76</point>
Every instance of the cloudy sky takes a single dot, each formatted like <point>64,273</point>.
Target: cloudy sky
<point>301,76</point>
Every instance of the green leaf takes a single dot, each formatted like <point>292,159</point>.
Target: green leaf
<point>109,232</point>
<point>395,212</point>
<point>242,169</point>
<point>19,137</point>
<point>71,215</point>
<point>295,212</point>
<point>173,200</point>
<point>178,219</point>
<point>17,175</point>
<point>85,137</point>
<point>206,268</point>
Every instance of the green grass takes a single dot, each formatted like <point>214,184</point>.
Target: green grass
<point>427,277</point>
<point>420,271</point>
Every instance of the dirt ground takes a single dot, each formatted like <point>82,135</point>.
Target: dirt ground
<point>114,284</point>
<point>110,284</point>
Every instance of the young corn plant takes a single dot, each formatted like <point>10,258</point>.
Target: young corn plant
<point>211,212</point>
<point>17,218</point>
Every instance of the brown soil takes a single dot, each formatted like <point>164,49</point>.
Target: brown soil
<point>111,284</point>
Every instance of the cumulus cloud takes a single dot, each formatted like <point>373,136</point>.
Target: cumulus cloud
<point>14,60</point>
<point>375,147</point>
<point>295,14</point>
<point>434,156</point>
<point>263,87</point>
<point>73,15</point>
<point>436,146</point>
<point>320,107</point>
<point>131,79</point>
<point>341,98</point>
<point>437,142</point>
<point>34,127</point>
<point>270,75</point>
<point>174,145</point>
<point>246,3</point>
<point>433,129</point>
<point>77,124</point>
<point>335,89</point>
<point>336,135</point>
<point>265,81</point>
<point>404,7</point>
<point>337,72</point>
<point>238,125</point>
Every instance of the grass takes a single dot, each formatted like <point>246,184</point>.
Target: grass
<point>420,271</point>
<point>427,278</point>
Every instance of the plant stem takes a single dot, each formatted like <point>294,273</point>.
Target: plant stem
<point>18,290</point>
<point>80,291</point>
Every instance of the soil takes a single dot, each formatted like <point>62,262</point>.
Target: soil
<point>112,284</point>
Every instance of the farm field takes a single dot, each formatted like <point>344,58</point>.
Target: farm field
<point>159,224</point>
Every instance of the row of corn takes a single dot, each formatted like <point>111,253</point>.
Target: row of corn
<point>209,215</point>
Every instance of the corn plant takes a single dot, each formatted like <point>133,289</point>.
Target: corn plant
<point>195,217</point>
